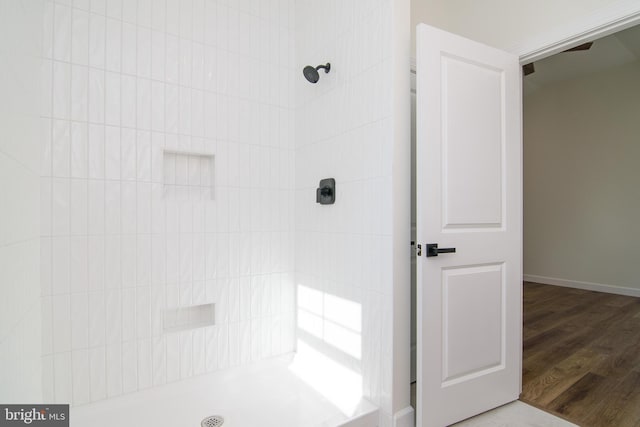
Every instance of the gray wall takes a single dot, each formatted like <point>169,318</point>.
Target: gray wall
<point>582,192</point>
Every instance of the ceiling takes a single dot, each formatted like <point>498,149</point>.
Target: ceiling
<point>609,52</point>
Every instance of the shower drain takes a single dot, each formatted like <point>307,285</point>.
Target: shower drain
<point>213,421</point>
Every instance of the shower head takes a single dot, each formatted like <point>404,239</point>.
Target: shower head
<point>311,73</point>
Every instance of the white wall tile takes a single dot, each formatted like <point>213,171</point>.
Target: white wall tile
<point>128,314</point>
<point>170,68</point>
<point>143,103</point>
<point>129,56</point>
<point>158,14</point>
<point>97,40</point>
<point>46,206</point>
<point>159,364</point>
<point>96,95</point>
<point>82,4</point>
<point>96,207</point>
<point>157,106</point>
<point>60,265</point>
<point>129,214</point>
<point>79,150</point>
<point>79,93</point>
<point>130,11</point>
<point>144,51</point>
<point>112,211</point>
<point>97,374</point>
<point>80,36</point>
<point>62,378</point>
<point>81,377</point>
<point>96,152</point>
<point>113,46</point>
<point>145,363</point>
<point>144,13</point>
<point>143,312</point>
<point>47,325</point>
<point>78,271</point>
<point>62,33</point>
<point>186,354</point>
<point>112,151</point>
<point>199,352</point>
<point>173,357</point>
<point>78,207</point>
<point>48,375</point>
<point>171,108</point>
<point>184,105</point>
<point>61,148</point>
<point>113,273</point>
<point>96,319</point>
<point>61,322</point>
<point>113,316</point>
<point>112,98</point>
<point>98,6</point>
<point>129,366</point>
<point>114,369</point>
<point>114,8</point>
<point>128,154</point>
<point>47,29</point>
<point>234,344</point>
<point>96,262</point>
<point>172,258</point>
<point>211,351</point>
<point>128,101</point>
<point>186,19</point>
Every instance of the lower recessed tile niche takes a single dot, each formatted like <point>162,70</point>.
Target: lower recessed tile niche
<point>190,317</point>
<point>188,175</point>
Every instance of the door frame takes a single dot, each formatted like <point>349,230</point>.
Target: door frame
<point>594,26</point>
<point>591,27</point>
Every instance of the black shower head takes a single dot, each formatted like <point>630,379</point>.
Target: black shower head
<point>311,73</point>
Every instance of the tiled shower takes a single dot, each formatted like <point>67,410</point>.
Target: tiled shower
<point>157,195</point>
<point>158,211</point>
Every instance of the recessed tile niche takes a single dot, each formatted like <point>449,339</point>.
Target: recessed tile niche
<point>191,317</point>
<point>188,175</point>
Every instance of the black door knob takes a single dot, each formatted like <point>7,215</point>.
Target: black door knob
<point>433,250</point>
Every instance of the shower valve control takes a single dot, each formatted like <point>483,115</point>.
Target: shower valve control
<point>326,192</point>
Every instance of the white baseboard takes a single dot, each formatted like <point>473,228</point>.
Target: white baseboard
<point>369,419</point>
<point>598,287</point>
<point>405,418</point>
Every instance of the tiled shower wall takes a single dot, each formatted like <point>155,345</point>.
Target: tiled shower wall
<point>344,131</point>
<point>20,326</point>
<point>136,93</point>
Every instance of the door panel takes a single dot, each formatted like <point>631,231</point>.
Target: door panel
<point>472,95</point>
<point>469,197</point>
<point>472,317</point>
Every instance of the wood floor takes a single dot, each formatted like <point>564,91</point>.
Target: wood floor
<point>581,357</point>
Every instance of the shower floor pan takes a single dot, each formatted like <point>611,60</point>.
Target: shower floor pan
<point>265,394</point>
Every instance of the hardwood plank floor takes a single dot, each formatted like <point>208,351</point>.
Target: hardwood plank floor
<point>581,355</point>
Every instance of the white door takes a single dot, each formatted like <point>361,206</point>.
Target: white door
<point>469,197</point>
